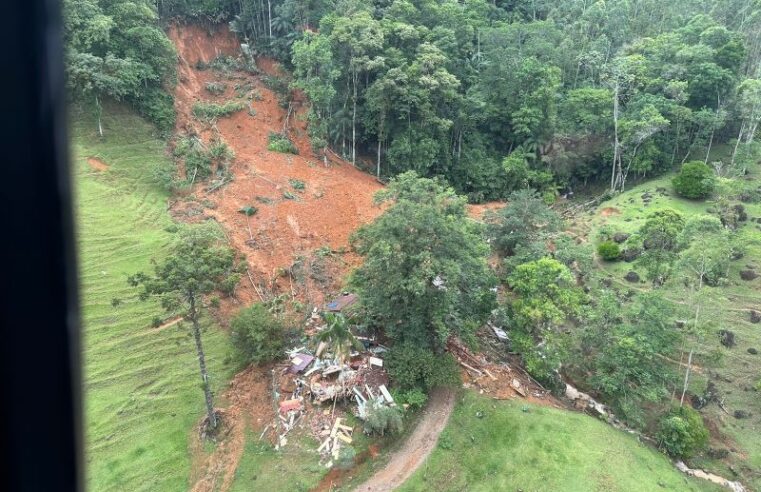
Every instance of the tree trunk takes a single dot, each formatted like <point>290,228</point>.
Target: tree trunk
<point>686,377</point>
<point>695,326</point>
<point>354,121</point>
<point>616,144</point>
<point>98,111</point>
<point>378,161</point>
<point>737,144</point>
<point>713,128</point>
<point>202,364</point>
<point>269,16</point>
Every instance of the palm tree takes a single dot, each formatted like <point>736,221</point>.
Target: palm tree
<point>338,334</point>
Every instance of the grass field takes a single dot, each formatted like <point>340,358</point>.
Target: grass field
<point>518,446</point>
<point>733,370</point>
<point>142,388</point>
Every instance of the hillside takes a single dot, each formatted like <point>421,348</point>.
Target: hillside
<point>141,396</point>
<point>329,202</point>
<point>733,371</point>
<point>422,155</point>
<point>513,445</point>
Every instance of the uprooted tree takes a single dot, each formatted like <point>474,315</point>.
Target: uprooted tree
<point>199,263</point>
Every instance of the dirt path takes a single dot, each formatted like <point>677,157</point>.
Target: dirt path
<point>418,446</point>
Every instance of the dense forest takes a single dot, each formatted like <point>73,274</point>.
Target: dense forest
<point>493,96</point>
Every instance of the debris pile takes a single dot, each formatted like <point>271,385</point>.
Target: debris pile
<point>500,381</point>
<point>324,373</point>
<point>334,438</point>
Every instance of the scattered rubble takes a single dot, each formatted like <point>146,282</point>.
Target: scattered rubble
<point>323,374</point>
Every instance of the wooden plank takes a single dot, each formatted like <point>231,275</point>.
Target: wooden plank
<point>466,366</point>
<point>344,438</point>
<point>324,445</point>
<point>334,430</point>
<point>489,374</point>
<point>385,393</point>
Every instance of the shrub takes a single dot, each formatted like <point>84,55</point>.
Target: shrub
<point>158,106</point>
<point>381,419</point>
<point>257,335</point>
<point>220,152</point>
<point>609,251</point>
<point>411,368</point>
<point>279,142</point>
<point>415,398</point>
<point>212,111</point>
<point>297,184</point>
<point>682,433</point>
<point>695,180</point>
<point>345,459</point>
<point>216,88</point>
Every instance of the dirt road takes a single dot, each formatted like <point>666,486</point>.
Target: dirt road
<point>418,446</point>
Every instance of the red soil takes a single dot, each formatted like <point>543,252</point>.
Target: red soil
<point>337,199</point>
<point>97,164</point>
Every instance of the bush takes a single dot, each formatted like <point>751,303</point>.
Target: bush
<point>695,180</point>
<point>345,459</point>
<point>381,419</point>
<point>609,251</point>
<point>158,107</point>
<point>415,398</point>
<point>216,88</point>
<point>682,433</point>
<point>411,368</point>
<point>297,184</point>
<point>212,111</point>
<point>278,142</point>
<point>257,335</point>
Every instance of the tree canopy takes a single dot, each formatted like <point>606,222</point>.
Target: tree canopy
<point>425,275</point>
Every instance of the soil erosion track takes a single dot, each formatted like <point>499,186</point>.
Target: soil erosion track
<point>418,446</point>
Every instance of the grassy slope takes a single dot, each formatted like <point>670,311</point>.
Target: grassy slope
<point>727,307</point>
<point>517,446</point>
<point>142,392</point>
<point>294,468</point>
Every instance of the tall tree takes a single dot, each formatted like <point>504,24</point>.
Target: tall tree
<point>198,264</point>
<point>425,275</point>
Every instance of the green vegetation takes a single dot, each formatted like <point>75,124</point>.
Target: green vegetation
<point>118,50</point>
<point>382,419</point>
<point>414,370</point>
<point>713,246</point>
<point>216,88</point>
<point>620,347</point>
<point>514,445</point>
<point>294,467</point>
<point>141,384</point>
<point>198,160</point>
<point>545,298</point>
<point>695,180</point>
<point>297,184</point>
<point>257,335</point>
<point>211,111</point>
<point>514,94</point>
<point>278,142</point>
<point>609,251</point>
<point>199,263</point>
<point>417,289</point>
<point>682,433</point>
